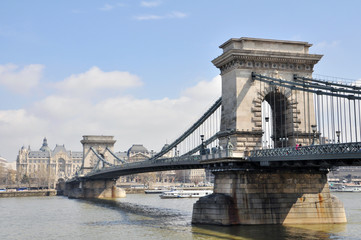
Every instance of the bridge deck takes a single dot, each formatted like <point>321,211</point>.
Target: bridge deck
<point>314,156</point>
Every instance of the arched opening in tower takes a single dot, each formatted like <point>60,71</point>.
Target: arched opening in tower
<point>275,120</point>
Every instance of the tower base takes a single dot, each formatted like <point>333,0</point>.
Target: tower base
<point>269,197</point>
<point>93,189</point>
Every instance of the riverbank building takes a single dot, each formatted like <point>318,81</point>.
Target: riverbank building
<point>45,166</point>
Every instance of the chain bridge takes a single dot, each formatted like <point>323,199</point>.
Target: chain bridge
<point>270,140</point>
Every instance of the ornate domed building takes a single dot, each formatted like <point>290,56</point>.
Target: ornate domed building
<point>136,153</point>
<point>47,166</point>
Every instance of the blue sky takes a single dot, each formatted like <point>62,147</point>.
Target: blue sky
<point>138,70</point>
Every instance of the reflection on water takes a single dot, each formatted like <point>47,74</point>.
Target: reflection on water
<point>142,216</point>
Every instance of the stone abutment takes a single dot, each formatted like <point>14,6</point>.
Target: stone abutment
<point>269,197</point>
<point>93,189</point>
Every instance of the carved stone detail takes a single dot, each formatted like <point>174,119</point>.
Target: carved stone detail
<point>241,63</point>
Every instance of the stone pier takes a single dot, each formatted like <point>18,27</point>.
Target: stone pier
<point>269,197</point>
<point>93,189</point>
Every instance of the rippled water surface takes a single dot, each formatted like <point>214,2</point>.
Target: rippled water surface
<point>141,216</point>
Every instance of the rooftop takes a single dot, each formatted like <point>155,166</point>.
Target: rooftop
<point>261,44</point>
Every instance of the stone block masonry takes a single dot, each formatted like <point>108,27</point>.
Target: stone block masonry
<point>93,189</point>
<point>269,197</point>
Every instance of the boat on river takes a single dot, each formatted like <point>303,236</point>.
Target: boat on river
<point>155,191</point>
<point>347,188</point>
<point>186,193</point>
<point>350,189</point>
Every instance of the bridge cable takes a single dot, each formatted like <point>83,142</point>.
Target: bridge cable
<point>349,111</point>
<point>359,114</point>
<point>319,123</point>
<point>327,91</point>
<point>120,160</point>
<point>304,115</point>
<point>354,113</point>
<point>315,81</point>
<point>332,120</point>
<point>204,117</point>
<point>260,96</point>
<point>278,100</point>
<point>323,118</point>
<point>338,115</point>
<point>296,106</point>
<point>345,114</point>
<point>275,142</point>
<point>306,87</point>
<point>292,117</point>
<point>328,119</point>
<point>304,112</point>
<point>101,158</point>
<point>285,114</point>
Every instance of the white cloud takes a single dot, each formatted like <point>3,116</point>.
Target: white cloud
<point>150,3</point>
<point>60,108</point>
<point>171,15</point>
<point>177,15</point>
<point>205,90</point>
<point>20,80</point>
<point>148,17</point>
<point>64,119</point>
<point>108,7</point>
<point>19,127</point>
<point>95,80</point>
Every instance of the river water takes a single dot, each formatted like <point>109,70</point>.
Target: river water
<point>146,216</point>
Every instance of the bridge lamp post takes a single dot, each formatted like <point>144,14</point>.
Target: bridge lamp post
<point>314,129</point>
<point>338,135</point>
<point>283,140</point>
<point>202,146</point>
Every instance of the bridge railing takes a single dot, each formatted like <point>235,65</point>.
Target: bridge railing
<point>312,151</point>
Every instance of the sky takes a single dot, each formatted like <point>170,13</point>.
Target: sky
<point>141,71</point>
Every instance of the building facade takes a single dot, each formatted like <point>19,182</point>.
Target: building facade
<point>46,167</point>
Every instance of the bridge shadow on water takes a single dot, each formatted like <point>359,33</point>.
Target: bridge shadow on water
<point>163,219</point>
<point>138,214</point>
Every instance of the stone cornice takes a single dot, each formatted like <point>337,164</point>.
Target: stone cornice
<point>249,59</point>
<point>264,40</point>
<point>98,142</point>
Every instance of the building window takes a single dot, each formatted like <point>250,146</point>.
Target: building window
<point>61,165</point>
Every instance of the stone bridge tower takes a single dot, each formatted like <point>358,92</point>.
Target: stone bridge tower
<point>94,188</point>
<point>99,144</point>
<point>242,97</point>
<point>245,193</point>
